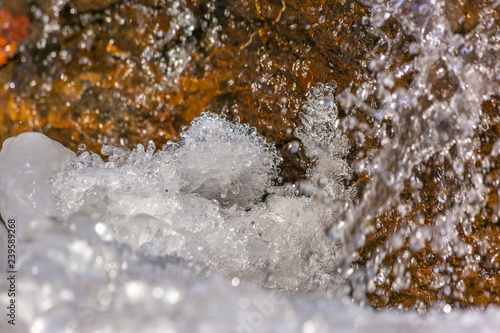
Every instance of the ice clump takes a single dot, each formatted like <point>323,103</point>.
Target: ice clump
<point>325,144</point>
<point>27,163</point>
<point>224,161</point>
<point>208,201</point>
<point>216,159</point>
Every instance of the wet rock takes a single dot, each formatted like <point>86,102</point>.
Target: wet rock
<point>141,70</point>
<point>87,5</point>
<point>13,30</point>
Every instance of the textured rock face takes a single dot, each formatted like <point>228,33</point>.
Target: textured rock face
<point>136,70</point>
<point>13,30</point>
<point>130,71</point>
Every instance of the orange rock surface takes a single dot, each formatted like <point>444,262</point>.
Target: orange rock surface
<point>13,30</point>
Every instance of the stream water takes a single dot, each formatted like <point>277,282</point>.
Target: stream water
<point>398,208</point>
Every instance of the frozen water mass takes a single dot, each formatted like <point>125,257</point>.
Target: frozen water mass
<point>192,237</point>
<point>196,237</point>
<point>202,207</point>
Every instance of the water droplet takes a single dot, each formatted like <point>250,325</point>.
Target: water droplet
<point>294,146</point>
<point>321,183</point>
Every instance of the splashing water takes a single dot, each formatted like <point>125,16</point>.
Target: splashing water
<point>429,130</point>
<point>155,240</point>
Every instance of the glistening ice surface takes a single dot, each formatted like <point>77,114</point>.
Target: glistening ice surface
<point>399,207</point>
<point>144,220</point>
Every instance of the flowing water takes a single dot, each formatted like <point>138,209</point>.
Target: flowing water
<point>398,208</point>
